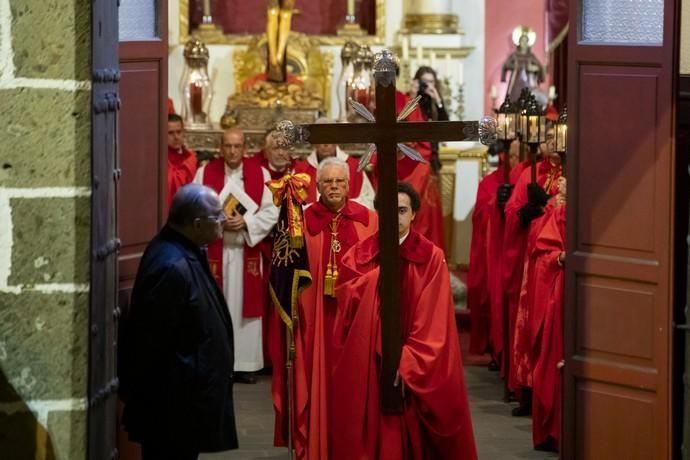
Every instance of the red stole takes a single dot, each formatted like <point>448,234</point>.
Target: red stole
<point>253,283</point>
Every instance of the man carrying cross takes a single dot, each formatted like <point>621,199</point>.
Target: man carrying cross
<point>389,321</point>
<point>436,422</point>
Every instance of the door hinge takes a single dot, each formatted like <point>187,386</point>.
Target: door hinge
<point>108,248</point>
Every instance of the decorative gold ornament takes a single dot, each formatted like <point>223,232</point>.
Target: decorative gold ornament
<point>431,24</point>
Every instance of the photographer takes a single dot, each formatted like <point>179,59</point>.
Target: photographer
<point>425,84</point>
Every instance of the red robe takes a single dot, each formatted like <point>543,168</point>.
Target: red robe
<point>547,330</point>
<point>477,286</point>
<point>429,218</point>
<point>514,245</point>
<point>181,170</point>
<point>356,177</point>
<point>521,364</point>
<point>313,340</point>
<point>494,270</point>
<point>436,422</point>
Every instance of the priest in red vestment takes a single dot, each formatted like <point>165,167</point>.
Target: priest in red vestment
<point>547,328</point>
<point>524,206</point>
<point>494,259</point>
<point>361,189</point>
<point>333,225</point>
<point>477,281</point>
<point>429,220</point>
<point>436,422</point>
<point>181,161</point>
<point>236,261</point>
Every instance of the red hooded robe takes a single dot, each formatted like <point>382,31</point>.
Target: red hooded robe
<point>313,338</point>
<point>436,422</point>
<point>477,281</point>
<point>547,330</point>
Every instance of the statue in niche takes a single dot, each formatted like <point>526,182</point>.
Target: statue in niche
<point>525,69</point>
<point>278,20</point>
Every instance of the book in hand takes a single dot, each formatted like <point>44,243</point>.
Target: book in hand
<point>236,201</point>
<point>233,206</point>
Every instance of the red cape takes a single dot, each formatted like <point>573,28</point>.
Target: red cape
<point>514,245</point>
<point>547,324</point>
<point>521,364</point>
<point>313,337</point>
<point>436,423</point>
<point>477,281</point>
<point>181,170</point>
<point>494,269</point>
<point>303,166</point>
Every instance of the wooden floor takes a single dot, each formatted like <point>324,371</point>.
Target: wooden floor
<point>499,435</point>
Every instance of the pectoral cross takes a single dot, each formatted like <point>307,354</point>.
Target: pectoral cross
<point>387,133</point>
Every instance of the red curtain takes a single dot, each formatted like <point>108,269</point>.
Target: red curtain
<point>315,17</point>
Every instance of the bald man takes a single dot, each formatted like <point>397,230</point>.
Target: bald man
<point>176,334</point>
<point>236,261</point>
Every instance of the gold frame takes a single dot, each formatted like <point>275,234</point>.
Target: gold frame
<point>317,65</point>
<point>323,40</point>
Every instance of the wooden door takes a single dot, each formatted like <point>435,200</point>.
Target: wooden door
<point>104,241</point>
<point>143,144</point>
<point>143,132</point>
<point>619,278</point>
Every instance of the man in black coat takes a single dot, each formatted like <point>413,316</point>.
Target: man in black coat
<point>176,344</point>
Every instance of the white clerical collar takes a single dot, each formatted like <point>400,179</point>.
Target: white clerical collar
<point>402,239</point>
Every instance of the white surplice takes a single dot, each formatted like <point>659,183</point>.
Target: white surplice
<point>249,355</point>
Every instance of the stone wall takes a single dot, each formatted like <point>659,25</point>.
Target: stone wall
<point>44,227</point>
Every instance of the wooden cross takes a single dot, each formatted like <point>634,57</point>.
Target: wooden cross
<point>386,132</point>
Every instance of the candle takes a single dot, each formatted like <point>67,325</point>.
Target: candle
<point>196,101</point>
<point>460,76</point>
<point>432,60</point>
<point>420,53</point>
<point>207,8</point>
<point>552,93</point>
<point>405,48</point>
<point>493,92</point>
<point>350,7</point>
<point>447,65</point>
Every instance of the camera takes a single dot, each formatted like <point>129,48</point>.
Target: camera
<point>422,88</point>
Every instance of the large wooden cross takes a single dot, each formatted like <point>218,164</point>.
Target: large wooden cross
<point>386,132</point>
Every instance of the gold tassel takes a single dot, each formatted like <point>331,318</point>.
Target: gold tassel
<point>329,282</point>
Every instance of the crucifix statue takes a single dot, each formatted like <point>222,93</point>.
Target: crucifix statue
<point>387,132</point>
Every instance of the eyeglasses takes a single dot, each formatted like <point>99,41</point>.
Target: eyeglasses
<point>219,218</point>
<point>333,181</point>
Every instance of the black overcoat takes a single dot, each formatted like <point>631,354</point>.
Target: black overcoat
<point>176,351</point>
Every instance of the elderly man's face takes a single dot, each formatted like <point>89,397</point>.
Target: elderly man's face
<point>233,148</point>
<point>333,187</point>
<point>324,151</point>
<point>278,156</point>
<point>175,135</point>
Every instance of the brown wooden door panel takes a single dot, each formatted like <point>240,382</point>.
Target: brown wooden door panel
<point>143,171</point>
<point>619,275</point>
<point>143,159</point>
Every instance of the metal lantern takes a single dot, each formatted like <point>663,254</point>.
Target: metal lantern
<point>521,113</point>
<point>561,143</point>
<point>195,85</point>
<point>535,132</point>
<point>507,119</point>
